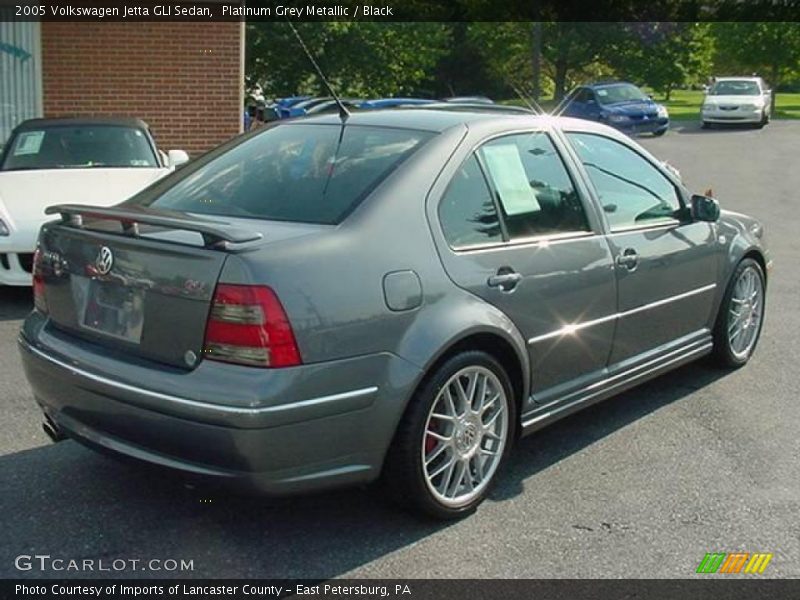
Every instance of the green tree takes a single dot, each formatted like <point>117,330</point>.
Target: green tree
<point>664,56</point>
<point>770,49</point>
<point>462,71</point>
<point>573,47</point>
<point>359,58</point>
<point>274,59</point>
<point>570,52</point>
<point>380,59</point>
<point>506,50</point>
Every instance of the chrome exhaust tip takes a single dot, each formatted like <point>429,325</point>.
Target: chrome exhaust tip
<point>52,430</point>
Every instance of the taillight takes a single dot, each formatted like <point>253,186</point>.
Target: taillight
<point>247,325</point>
<point>39,301</point>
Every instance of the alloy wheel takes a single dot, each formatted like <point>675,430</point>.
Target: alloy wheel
<point>465,436</point>
<point>745,312</point>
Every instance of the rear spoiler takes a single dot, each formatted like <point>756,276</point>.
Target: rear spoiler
<point>216,234</point>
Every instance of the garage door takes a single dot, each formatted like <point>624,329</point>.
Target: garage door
<point>20,72</point>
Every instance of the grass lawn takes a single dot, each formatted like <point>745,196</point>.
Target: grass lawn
<point>685,105</point>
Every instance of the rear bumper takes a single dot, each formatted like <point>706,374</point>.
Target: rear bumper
<point>279,443</point>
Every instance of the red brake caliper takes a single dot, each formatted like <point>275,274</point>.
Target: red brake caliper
<point>430,441</point>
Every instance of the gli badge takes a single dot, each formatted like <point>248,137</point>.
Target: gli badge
<point>104,260</point>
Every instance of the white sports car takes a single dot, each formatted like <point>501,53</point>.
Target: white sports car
<point>737,100</point>
<point>56,161</point>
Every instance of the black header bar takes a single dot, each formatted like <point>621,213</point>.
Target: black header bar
<point>703,587</point>
<point>404,10</point>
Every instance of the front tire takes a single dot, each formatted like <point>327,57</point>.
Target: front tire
<point>455,435</point>
<point>741,315</point>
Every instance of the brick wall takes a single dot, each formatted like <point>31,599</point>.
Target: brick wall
<point>183,79</point>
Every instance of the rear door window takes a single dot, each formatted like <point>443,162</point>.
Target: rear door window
<point>308,173</point>
<point>513,188</point>
<point>467,212</point>
<point>534,188</point>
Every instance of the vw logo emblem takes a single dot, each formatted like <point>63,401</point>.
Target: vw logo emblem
<point>104,260</point>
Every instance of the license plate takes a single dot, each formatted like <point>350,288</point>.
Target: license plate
<point>115,311</point>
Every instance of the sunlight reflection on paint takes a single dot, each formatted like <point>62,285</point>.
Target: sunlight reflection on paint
<point>569,329</point>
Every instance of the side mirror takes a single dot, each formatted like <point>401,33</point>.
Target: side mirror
<point>705,208</point>
<point>176,158</point>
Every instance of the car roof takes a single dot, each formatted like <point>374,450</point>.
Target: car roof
<point>82,121</point>
<point>379,102</point>
<point>443,118</point>
<point>601,84</point>
<point>477,97</point>
<point>748,78</point>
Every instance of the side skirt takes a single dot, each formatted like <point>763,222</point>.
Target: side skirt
<point>615,384</point>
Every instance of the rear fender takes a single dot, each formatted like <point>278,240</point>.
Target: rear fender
<point>442,325</point>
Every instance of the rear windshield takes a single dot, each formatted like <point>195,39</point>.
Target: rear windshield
<point>307,173</point>
<point>79,147</point>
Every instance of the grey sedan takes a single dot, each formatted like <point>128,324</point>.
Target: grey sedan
<point>398,296</point>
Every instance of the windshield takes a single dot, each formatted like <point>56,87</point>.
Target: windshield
<point>79,147</point>
<point>307,173</point>
<point>735,88</point>
<point>619,93</point>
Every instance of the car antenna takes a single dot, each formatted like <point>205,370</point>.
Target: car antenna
<point>343,112</point>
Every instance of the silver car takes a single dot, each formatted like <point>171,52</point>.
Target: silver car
<point>399,296</point>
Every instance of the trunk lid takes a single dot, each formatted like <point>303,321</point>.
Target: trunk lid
<point>139,281</point>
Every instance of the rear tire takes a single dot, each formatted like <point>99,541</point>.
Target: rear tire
<point>454,437</point>
<point>741,316</point>
<point>659,133</point>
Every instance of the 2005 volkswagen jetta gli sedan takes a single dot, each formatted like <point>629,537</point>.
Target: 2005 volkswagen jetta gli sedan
<point>401,296</point>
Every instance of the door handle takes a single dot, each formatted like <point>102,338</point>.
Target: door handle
<point>628,259</point>
<point>506,279</point>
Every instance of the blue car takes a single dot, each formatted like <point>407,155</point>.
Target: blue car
<point>290,100</point>
<point>298,109</point>
<point>619,104</point>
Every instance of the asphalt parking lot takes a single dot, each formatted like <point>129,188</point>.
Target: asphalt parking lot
<point>643,485</point>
